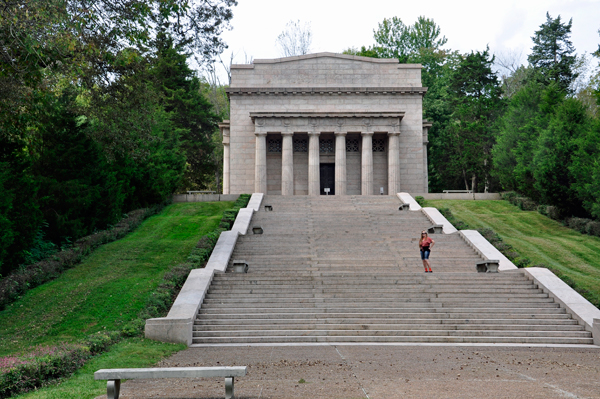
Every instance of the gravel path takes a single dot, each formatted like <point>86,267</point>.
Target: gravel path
<point>378,372</point>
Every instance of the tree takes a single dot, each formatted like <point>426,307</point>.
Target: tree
<point>190,111</point>
<point>553,157</point>
<point>397,40</point>
<point>585,169</point>
<point>475,97</point>
<point>84,131</point>
<point>295,39</point>
<point>553,53</point>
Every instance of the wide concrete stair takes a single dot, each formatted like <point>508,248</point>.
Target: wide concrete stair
<point>347,269</point>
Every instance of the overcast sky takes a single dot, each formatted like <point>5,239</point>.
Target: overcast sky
<point>506,26</point>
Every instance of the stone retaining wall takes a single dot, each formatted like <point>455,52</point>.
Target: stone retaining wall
<point>177,326</point>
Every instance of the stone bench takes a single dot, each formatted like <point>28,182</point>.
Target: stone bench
<point>239,266</point>
<point>488,266</point>
<point>114,376</point>
<point>436,229</point>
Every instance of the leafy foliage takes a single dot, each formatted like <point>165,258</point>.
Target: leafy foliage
<point>99,112</point>
<point>474,96</point>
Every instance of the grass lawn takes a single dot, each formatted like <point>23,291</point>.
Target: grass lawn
<point>574,255</point>
<point>110,287</point>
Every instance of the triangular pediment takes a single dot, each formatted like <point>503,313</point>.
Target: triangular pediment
<point>325,56</point>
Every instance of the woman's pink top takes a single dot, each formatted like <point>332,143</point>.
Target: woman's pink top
<point>426,243</point>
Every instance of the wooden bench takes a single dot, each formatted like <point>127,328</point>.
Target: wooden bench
<point>114,376</point>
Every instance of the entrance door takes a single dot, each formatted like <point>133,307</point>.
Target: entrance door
<point>327,178</point>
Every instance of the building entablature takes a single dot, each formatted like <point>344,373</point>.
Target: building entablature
<point>326,91</point>
<point>334,122</point>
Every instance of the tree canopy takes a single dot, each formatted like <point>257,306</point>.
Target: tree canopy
<point>100,112</point>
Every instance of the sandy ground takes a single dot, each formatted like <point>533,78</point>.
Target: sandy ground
<point>379,372</point>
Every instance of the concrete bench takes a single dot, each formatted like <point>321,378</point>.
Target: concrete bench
<point>114,376</point>
<point>436,229</point>
<point>488,266</point>
<point>240,266</point>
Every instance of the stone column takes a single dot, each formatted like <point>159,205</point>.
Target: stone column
<point>224,127</point>
<point>260,164</point>
<point>340,163</point>
<point>314,178</point>
<point>393,163</point>
<point>426,126</point>
<point>287,164</point>
<point>367,164</point>
<point>225,167</point>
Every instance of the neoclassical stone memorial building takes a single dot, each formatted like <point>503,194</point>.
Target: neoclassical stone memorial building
<point>325,124</point>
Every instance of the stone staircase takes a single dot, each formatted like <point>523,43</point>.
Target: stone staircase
<point>347,269</point>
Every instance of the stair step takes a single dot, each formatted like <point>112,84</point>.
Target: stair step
<point>347,269</point>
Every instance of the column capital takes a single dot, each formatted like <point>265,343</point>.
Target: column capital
<point>260,134</point>
<point>340,133</point>
<point>366,133</point>
<point>287,133</point>
<point>393,134</point>
<point>314,133</point>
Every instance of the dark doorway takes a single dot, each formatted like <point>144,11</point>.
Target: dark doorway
<point>327,178</point>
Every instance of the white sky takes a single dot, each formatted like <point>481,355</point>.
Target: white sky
<point>506,25</point>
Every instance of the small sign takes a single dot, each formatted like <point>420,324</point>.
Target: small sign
<point>327,190</point>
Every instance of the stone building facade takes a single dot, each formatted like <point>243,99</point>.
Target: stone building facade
<point>325,123</point>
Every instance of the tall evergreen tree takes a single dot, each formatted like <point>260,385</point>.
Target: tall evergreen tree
<point>553,53</point>
<point>553,157</point>
<point>475,97</point>
<point>190,111</point>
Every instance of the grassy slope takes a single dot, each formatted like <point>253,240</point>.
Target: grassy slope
<point>543,240</point>
<point>111,286</point>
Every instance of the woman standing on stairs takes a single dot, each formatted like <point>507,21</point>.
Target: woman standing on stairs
<point>425,245</point>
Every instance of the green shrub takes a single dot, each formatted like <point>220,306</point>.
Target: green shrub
<point>521,262</point>
<point>577,224</point>
<point>593,228</point>
<point>509,196</point>
<point>553,212</point>
<point>19,374</point>
<point>526,204</point>
<point>242,201</point>
<point>420,200</point>
<point>459,224</point>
